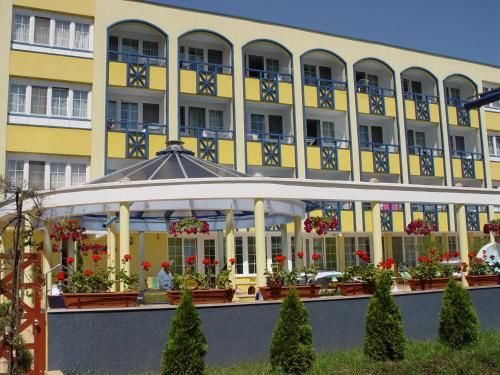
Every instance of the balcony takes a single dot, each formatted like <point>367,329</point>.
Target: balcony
<point>391,215</point>
<point>215,145</point>
<point>139,71</point>
<point>426,161</point>
<point>134,140</point>
<point>467,165</point>
<point>328,154</point>
<point>199,78</point>
<point>433,213</point>
<point>422,107</point>
<point>325,94</point>
<point>380,158</point>
<point>270,150</point>
<point>376,101</point>
<point>459,116</point>
<point>476,217</point>
<point>343,212</point>
<point>266,86</point>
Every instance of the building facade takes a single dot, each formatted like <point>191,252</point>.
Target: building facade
<point>92,86</point>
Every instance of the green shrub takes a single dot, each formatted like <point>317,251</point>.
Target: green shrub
<point>186,344</point>
<point>458,322</point>
<point>291,344</point>
<point>384,338</point>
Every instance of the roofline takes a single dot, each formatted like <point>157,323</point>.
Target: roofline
<point>314,31</point>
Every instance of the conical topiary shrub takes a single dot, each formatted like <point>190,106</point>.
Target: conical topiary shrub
<point>384,338</point>
<point>291,344</point>
<point>186,344</point>
<point>458,322</point>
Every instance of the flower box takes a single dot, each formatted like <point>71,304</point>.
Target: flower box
<point>96,300</point>
<point>356,289</point>
<point>203,296</point>
<point>483,280</point>
<point>304,291</point>
<point>423,284</point>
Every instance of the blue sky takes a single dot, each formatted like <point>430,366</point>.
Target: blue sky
<point>457,28</point>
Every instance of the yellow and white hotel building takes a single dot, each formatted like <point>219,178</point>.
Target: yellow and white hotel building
<point>92,86</point>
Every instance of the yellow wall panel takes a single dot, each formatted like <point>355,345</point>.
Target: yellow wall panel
<point>50,67</point>
<point>414,165</point>
<point>313,158</point>
<point>474,118</point>
<point>410,109</point>
<point>363,106</point>
<point>434,112</point>
<point>398,221</point>
<point>366,161</point>
<point>390,106</point>
<point>225,85</point>
<point>188,81</point>
<point>495,170</point>
<point>252,89</point>
<point>347,221</point>
<point>79,7</point>
<point>45,140</point>
<point>157,78</point>
<point>452,115</point>
<point>156,143</point>
<point>457,168</point>
<point>394,165</point>
<point>116,145</point>
<point>310,96</point>
<point>492,120</point>
<point>191,143</point>
<point>418,215</point>
<point>344,160</point>
<point>443,221</point>
<point>117,74</point>
<point>438,167</point>
<point>367,215</point>
<point>288,156</point>
<point>226,152</point>
<point>479,169</point>
<point>340,100</point>
<point>254,153</point>
<point>483,219</point>
<point>285,93</point>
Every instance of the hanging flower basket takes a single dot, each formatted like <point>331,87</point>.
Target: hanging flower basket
<point>420,227</point>
<point>66,230</point>
<point>188,225</point>
<point>320,224</point>
<point>492,227</point>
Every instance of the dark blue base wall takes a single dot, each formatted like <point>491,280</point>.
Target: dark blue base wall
<point>132,340</point>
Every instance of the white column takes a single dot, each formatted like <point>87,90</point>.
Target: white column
<point>298,240</point>
<point>284,243</point>
<point>142,284</point>
<point>463,243</point>
<point>230,245</point>
<point>260,241</point>
<point>111,244</point>
<point>378,253</point>
<point>124,236</point>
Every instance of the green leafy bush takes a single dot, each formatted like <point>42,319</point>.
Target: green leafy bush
<point>458,322</point>
<point>291,344</point>
<point>186,344</point>
<point>384,338</point>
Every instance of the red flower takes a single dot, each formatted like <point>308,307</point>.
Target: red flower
<point>363,256</point>
<point>215,262</point>
<point>146,266</point>
<point>455,254</point>
<point>300,254</point>
<point>440,258</point>
<point>206,261</point>
<point>191,259</point>
<point>472,254</point>
<point>464,266</point>
<point>96,258</point>
<point>88,273</point>
<point>61,276</point>
<point>280,259</point>
<point>165,264</point>
<point>387,264</point>
<point>232,260</point>
<point>126,258</point>
<point>316,256</point>
<point>70,260</point>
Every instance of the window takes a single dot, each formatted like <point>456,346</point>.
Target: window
<point>15,172</point>
<point>310,74</point>
<point>364,138</point>
<point>328,128</point>
<point>276,248</point>
<point>457,143</point>
<point>452,244</point>
<point>239,255</point>
<point>196,117</point>
<point>415,138</point>
<point>312,128</point>
<point>496,104</point>
<point>42,30</point>
<point>175,254</point>
<point>361,78</point>
<point>255,64</point>
<point>129,115</point>
<point>61,36</point>
<point>452,92</point>
<point>36,178</point>
<point>325,72</point>
<point>215,60</point>
<point>111,108</point>
<point>257,123</point>
<point>57,175</point>
<point>410,251</point>
<point>130,47</point>
<point>151,113</point>
<point>272,65</point>
<point>372,80</point>
<point>350,251</point>
<point>17,98</point>
<point>377,135</point>
<point>275,124</point>
<point>59,102</point>
<point>82,36</point>
<point>21,31</point>
<point>411,86</point>
<point>330,253</point>
<point>195,54</point>
<point>215,119</point>
<point>39,100</point>
<point>150,48</point>
<point>78,174</point>
<point>251,255</point>
<point>80,103</point>
<point>494,145</point>
<point>182,116</point>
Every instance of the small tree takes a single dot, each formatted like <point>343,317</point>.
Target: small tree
<point>291,344</point>
<point>384,338</point>
<point>458,322</point>
<point>186,344</point>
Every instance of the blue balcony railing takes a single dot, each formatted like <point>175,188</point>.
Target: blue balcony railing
<point>271,146</point>
<point>380,155</point>
<point>463,115</point>
<point>206,75</point>
<point>376,97</point>
<point>325,90</point>
<point>329,150</point>
<point>386,214</point>
<point>137,59</point>
<point>422,111</point>
<point>426,158</point>
<point>430,212</point>
<point>126,125</point>
<point>207,140</point>
<point>269,83</point>
<point>204,66</point>
<point>467,162</point>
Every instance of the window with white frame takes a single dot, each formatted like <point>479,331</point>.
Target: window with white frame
<point>238,252</point>
<point>59,32</point>
<point>353,244</point>
<point>15,172</point>
<point>496,104</point>
<point>257,123</point>
<point>78,174</point>
<point>17,98</point>
<point>36,175</point>
<point>39,100</point>
<point>57,175</point>
<point>216,119</point>
<point>494,144</point>
<point>59,101</point>
<point>80,103</point>
<point>252,260</point>
<point>276,248</point>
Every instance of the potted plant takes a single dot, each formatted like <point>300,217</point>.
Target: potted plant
<point>481,272</point>
<point>320,224</point>
<point>492,227</point>
<point>432,271</point>
<point>202,288</point>
<point>188,225</point>
<point>419,227</point>
<point>358,279</point>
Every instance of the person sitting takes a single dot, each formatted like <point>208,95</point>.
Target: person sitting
<point>164,277</point>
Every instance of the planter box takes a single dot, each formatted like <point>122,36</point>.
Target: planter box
<point>356,289</point>
<point>304,291</point>
<point>96,300</point>
<point>202,296</point>
<point>483,280</point>
<point>435,283</point>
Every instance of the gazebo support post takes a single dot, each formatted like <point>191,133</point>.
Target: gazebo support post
<point>230,246</point>
<point>260,241</point>
<point>111,245</point>
<point>285,244</point>
<point>297,238</point>
<point>124,237</point>
<point>378,253</point>
<point>142,284</point>
<point>463,243</point>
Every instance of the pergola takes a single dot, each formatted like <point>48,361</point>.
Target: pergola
<point>146,196</point>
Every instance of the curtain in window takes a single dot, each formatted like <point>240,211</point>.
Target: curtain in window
<point>59,101</point>
<point>80,103</point>
<point>82,36</point>
<point>61,36</point>
<point>39,100</point>
<point>21,32</point>
<point>17,98</point>
<point>42,30</point>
